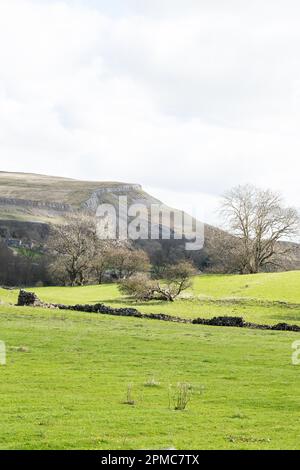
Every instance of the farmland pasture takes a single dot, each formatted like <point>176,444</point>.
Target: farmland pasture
<point>261,298</point>
<point>67,373</point>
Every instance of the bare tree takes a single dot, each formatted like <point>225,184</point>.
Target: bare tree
<point>73,245</point>
<point>101,261</point>
<point>224,251</point>
<point>126,261</point>
<point>259,222</point>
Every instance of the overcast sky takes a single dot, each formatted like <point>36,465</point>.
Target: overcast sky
<point>187,98</point>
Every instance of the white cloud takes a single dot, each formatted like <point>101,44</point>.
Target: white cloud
<point>187,100</point>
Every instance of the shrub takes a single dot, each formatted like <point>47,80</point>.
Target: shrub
<point>138,286</point>
<point>178,279</point>
<point>180,397</point>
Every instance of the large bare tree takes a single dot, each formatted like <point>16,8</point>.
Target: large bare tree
<point>260,225</point>
<point>74,246</point>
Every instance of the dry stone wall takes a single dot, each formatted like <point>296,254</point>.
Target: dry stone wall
<point>31,299</point>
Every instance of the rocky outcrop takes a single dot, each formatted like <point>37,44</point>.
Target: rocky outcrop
<point>31,299</point>
<point>95,199</point>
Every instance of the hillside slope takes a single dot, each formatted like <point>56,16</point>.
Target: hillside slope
<point>41,199</point>
<point>34,197</point>
<point>30,202</point>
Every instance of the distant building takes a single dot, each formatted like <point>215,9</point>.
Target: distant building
<point>15,243</point>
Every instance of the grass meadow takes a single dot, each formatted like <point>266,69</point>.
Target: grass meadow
<point>66,380</point>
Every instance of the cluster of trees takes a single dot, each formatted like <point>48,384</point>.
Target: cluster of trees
<point>80,257</point>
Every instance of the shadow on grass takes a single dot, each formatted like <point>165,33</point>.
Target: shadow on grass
<point>287,317</point>
<point>128,301</point>
<point>247,303</point>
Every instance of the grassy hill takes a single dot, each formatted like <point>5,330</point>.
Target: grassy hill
<point>50,188</point>
<point>40,198</point>
<point>44,199</point>
<point>67,373</point>
<point>66,379</point>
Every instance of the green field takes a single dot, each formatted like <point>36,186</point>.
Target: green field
<point>67,373</point>
<point>262,298</point>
